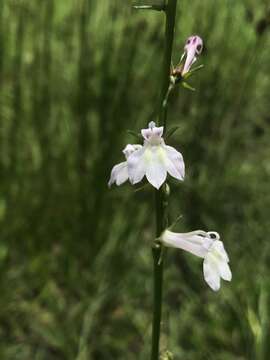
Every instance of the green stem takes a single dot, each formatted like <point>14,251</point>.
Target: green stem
<point>160,200</point>
<point>167,59</point>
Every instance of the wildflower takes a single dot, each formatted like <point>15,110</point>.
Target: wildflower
<point>153,160</point>
<point>206,245</point>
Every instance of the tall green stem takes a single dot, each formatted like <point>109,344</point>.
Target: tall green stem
<point>167,59</point>
<point>160,201</point>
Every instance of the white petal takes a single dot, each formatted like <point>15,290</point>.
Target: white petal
<point>158,131</point>
<point>152,131</point>
<point>211,273</point>
<point>119,174</point>
<point>154,166</point>
<point>174,163</point>
<point>129,149</point>
<point>225,271</point>
<point>146,133</point>
<point>136,166</point>
<point>191,242</point>
<point>218,249</point>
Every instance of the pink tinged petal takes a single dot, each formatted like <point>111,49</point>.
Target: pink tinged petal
<point>211,273</point>
<point>136,166</point>
<point>146,133</point>
<point>193,47</point>
<point>119,174</point>
<point>194,42</point>
<point>174,163</point>
<point>158,131</point>
<point>152,132</point>
<point>154,166</point>
<point>189,60</point>
<point>191,242</point>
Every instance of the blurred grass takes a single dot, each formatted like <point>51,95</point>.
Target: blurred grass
<point>75,257</point>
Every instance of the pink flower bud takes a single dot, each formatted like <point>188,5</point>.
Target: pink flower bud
<point>192,49</point>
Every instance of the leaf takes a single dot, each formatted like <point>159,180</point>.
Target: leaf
<point>176,221</point>
<point>254,323</point>
<point>162,253</point>
<point>187,86</point>
<point>172,130</point>
<point>136,135</point>
<point>191,72</point>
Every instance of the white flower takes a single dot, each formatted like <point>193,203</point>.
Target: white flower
<point>206,245</point>
<point>119,173</point>
<point>153,160</point>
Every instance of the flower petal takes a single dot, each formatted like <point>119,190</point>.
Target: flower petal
<point>219,255</point>
<point>193,47</point>
<point>119,174</point>
<point>129,149</point>
<point>225,271</point>
<point>211,272</point>
<point>218,249</point>
<point>189,60</point>
<point>158,131</point>
<point>191,242</point>
<point>146,133</point>
<point>174,163</point>
<point>154,166</point>
<point>136,166</point>
<point>152,132</point>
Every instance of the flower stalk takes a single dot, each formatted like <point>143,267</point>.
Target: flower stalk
<point>160,196</point>
<point>154,160</point>
<point>170,12</point>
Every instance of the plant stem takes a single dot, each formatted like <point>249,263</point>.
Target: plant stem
<point>170,12</point>
<point>160,200</point>
<point>158,275</point>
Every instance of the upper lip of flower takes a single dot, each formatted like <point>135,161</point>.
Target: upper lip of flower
<point>153,134</point>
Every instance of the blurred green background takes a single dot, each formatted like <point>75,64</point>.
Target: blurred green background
<point>75,257</point>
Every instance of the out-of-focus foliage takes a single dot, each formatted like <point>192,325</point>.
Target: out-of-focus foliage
<point>75,257</point>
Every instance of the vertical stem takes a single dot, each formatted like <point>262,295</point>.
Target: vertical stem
<point>169,34</point>
<point>158,275</point>
<point>160,201</point>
